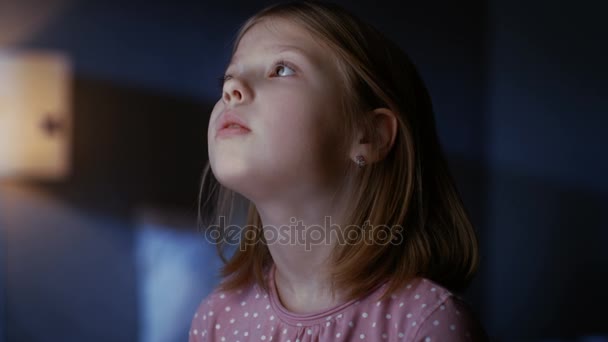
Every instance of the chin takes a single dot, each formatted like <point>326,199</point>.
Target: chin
<point>233,175</point>
<point>247,184</point>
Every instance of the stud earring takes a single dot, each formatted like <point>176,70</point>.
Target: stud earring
<point>360,160</point>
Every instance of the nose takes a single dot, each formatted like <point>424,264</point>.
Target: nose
<point>235,91</point>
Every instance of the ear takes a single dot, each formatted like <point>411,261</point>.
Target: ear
<point>375,148</point>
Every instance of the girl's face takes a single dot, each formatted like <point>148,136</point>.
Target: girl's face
<point>285,87</point>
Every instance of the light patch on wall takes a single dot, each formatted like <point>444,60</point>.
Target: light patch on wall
<point>35,115</point>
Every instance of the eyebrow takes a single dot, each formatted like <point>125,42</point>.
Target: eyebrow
<point>279,49</point>
<point>283,48</point>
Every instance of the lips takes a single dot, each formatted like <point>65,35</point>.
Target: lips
<point>230,123</point>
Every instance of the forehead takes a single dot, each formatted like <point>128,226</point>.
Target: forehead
<point>275,35</point>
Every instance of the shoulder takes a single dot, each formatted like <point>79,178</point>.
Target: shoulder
<point>445,317</point>
<point>418,298</point>
<point>426,311</point>
<point>200,324</point>
<point>213,310</point>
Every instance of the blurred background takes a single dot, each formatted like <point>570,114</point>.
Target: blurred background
<point>99,243</point>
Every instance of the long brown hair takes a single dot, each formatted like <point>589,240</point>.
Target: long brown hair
<point>410,188</point>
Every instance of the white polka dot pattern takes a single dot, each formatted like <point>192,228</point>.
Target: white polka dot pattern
<point>422,311</point>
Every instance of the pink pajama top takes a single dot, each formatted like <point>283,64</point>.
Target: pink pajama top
<point>421,311</point>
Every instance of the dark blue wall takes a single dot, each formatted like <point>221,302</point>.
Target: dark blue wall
<point>519,92</point>
<point>546,128</point>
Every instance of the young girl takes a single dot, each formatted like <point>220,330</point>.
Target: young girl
<point>355,230</point>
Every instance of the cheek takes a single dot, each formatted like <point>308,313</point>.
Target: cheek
<point>301,107</point>
<point>304,131</point>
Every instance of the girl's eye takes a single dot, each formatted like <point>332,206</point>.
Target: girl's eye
<point>222,79</point>
<point>282,69</point>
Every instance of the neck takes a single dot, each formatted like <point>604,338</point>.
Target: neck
<point>301,249</point>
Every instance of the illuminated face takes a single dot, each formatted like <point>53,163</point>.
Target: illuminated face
<point>284,87</point>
